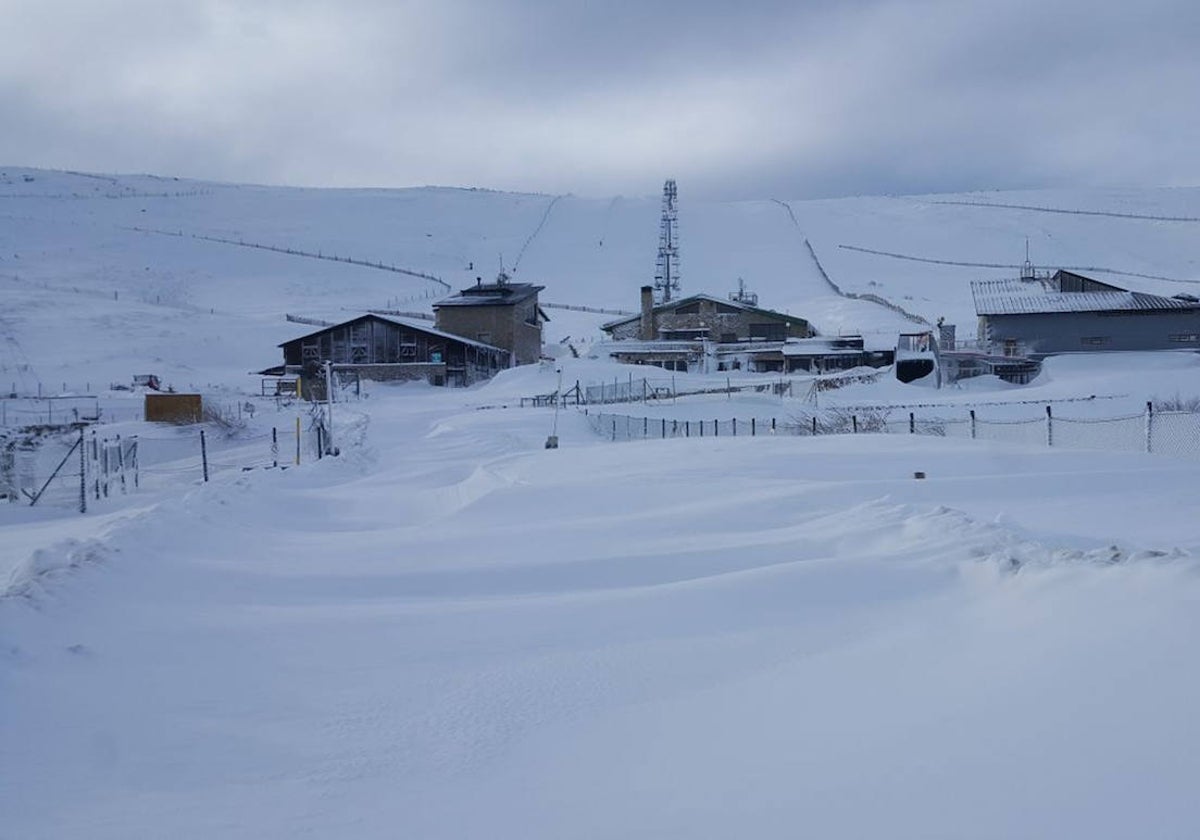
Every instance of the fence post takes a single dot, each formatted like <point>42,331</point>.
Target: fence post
<point>82,474</point>
<point>121,463</point>
<point>137,469</point>
<point>645,425</point>
<point>701,422</point>
<point>735,427</point>
<point>1149,427</point>
<point>752,425</point>
<point>204,454</point>
<point>912,423</point>
<point>972,424</point>
<point>664,428</point>
<point>687,428</point>
<point>716,428</point>
<point>297,440</point>
<point>772,425</point>
<point>614,426</point>
<point>96,466</point>
<point>814,424</point>
<point>274,447</point>
<point>1049,427</point>
<point>854,422</point>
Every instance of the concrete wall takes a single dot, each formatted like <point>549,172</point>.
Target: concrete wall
<point>1076,332</point>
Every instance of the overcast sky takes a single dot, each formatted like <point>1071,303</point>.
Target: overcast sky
<point>744,99</point>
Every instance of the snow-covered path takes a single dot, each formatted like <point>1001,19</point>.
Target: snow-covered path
<point>452,632</point>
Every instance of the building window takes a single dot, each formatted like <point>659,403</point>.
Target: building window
<point>728,338</point>
<point>768,332</point>
<point>1095,340</point>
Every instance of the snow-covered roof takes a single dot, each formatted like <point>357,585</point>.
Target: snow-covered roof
<point>411,323</point>
<point>1027,297</point>
<point>491,294</point>
<point>675,304</point>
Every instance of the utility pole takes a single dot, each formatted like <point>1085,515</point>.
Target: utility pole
<point>329,407</point>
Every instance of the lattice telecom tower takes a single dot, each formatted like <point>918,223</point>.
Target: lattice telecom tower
<point>666,269</point>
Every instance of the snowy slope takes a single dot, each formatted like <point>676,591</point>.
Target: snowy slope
<point>450,631</point>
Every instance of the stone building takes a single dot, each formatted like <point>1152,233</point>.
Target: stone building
<point>706,317</point>
<point>502,314</point>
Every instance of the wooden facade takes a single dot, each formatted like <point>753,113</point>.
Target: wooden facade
<point>383,347</point>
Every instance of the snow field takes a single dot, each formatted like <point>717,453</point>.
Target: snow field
<point>452,632</point>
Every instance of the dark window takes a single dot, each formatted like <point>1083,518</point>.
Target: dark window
<point>768,332</point>
<point>688,309</point>
<point>728,338</point>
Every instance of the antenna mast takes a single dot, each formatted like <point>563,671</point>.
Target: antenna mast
<point>666,269</point>
<point>1027,272</point>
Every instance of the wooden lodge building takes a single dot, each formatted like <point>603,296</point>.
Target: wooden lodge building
<point>476,333</point>
<point>388,347</point>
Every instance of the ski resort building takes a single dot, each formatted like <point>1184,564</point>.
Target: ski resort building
<point>1068,313</point>
<point>386,347</point>
<point>500,314</point>
<point>703,333</point>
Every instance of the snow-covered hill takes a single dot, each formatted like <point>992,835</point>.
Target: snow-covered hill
<point>136,257</point>
<point>450,631</point>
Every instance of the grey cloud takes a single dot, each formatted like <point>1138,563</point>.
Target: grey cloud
<point>734,100</point>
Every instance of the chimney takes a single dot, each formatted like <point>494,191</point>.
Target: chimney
<point>646,333</point>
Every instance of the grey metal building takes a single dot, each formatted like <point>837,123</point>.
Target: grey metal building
<point>1070,313</point>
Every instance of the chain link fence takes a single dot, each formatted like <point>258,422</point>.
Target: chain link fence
<point>1172,433</point>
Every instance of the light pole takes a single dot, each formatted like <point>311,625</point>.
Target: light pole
<point>552,441</point>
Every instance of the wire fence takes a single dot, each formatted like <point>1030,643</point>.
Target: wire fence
<point>1172,433</point>
<point>77,466</point>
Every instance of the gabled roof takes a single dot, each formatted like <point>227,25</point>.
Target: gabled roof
<point>491,294</point>
<point>414,324</point>
<point>1028,297</point>
<point>733,304</point>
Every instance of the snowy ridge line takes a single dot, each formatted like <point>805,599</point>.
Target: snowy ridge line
<point>84,196</point>
<point>1091,268</point>
<point>294,252</point>
<point>1069,212</point>
<point>541,224</point>
<point>597,310</point>
<point>837,290</point>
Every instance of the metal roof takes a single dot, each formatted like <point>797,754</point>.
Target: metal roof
<point>1029,297</point>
